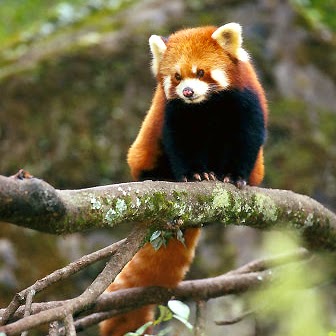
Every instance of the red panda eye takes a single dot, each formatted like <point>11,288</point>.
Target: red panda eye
<point>200,73</point>
<point>178,77</point>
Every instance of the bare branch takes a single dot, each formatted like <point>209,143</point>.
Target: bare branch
<point>29,302</point>
<point>69,326</point>
<point>88,297</point>
<point>263,264</point>
<point>200,318</point>
<point>235,319</point>
<point>59,275</point>
<point>111,304</point>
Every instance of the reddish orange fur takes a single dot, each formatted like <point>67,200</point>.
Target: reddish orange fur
<point>167,266</point>
<point>145,149</point>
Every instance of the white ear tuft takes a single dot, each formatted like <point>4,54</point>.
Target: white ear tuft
<point>157,47</point>
<point>229,37</point>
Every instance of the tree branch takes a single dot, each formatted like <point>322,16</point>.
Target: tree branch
<point>30,202</point>
<point>59,275</point>
<point>33,203</point>
<point>111,304</point>
<point>88,297</point>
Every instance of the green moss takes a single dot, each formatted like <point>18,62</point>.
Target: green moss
<point>221,198</point>
<point>265,205</point>
<point>120,209</point>
<point>96,205</point>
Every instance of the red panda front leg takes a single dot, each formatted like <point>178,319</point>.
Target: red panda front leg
<point>145,150</point>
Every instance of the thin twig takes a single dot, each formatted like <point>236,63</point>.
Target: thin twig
<point>132,244</point>
<point>69,326</point>
<point>200,318</point>
<point>263,264</point>
<point>29,301</point>
<point>12,307</point>
<point>128,299</point>
<point>58,275</point>
<point>235,319</point>
<point>90,320</point>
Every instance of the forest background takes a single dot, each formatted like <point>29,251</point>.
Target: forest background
<point>75,84</point>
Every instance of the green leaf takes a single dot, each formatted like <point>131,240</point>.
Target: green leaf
<point>332,333</point>
<point>180,237</point>
<point>179,308</point>
<point>164,315</point>
<point>157,243</point>
<point>143,328</point>
<point>156,234</point>
<point>168,234</point>
<point>157,239</point>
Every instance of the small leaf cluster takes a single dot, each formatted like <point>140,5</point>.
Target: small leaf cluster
<point>174,310</point>
<point>161,237</point>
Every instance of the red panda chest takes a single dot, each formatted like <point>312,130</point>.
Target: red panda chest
<point>220,135</point>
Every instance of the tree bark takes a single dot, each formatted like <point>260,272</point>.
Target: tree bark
<point>33,203</point>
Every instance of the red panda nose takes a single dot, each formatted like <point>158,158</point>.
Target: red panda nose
<point>188,92</point>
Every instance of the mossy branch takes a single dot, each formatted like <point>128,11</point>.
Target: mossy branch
<point>33,203</point>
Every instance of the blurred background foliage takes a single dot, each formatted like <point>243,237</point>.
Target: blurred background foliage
<point>75,84</point>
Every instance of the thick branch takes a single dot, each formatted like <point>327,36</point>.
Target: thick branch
<point>33,203</point>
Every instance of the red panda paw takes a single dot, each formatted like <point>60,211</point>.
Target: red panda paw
<point>227,179</point>
<point>205,176</point>
<point>240,183</point>
<point>198,177</point>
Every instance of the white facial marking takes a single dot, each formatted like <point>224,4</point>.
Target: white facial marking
<point>194,69</point>
<point>199,87</point>
<point>243,55</point>
<point>220,77</point>
<point>167,85</point>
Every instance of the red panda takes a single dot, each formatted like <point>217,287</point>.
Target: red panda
<point>207,121</point>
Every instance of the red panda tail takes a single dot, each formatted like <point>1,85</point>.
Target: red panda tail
<point>121,324</point>
<point>258,171</point>
<point>165,267</point>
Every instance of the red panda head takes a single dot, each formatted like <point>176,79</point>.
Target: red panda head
<point>193,63</point>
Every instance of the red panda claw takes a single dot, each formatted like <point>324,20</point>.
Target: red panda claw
<point>197,177</point>
<point>227,179</point>
<point>240,183</point>
<point>212,176</point>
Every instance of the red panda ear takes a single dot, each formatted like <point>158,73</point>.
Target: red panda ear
<point>229,37</point>
<point>157,47</point>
